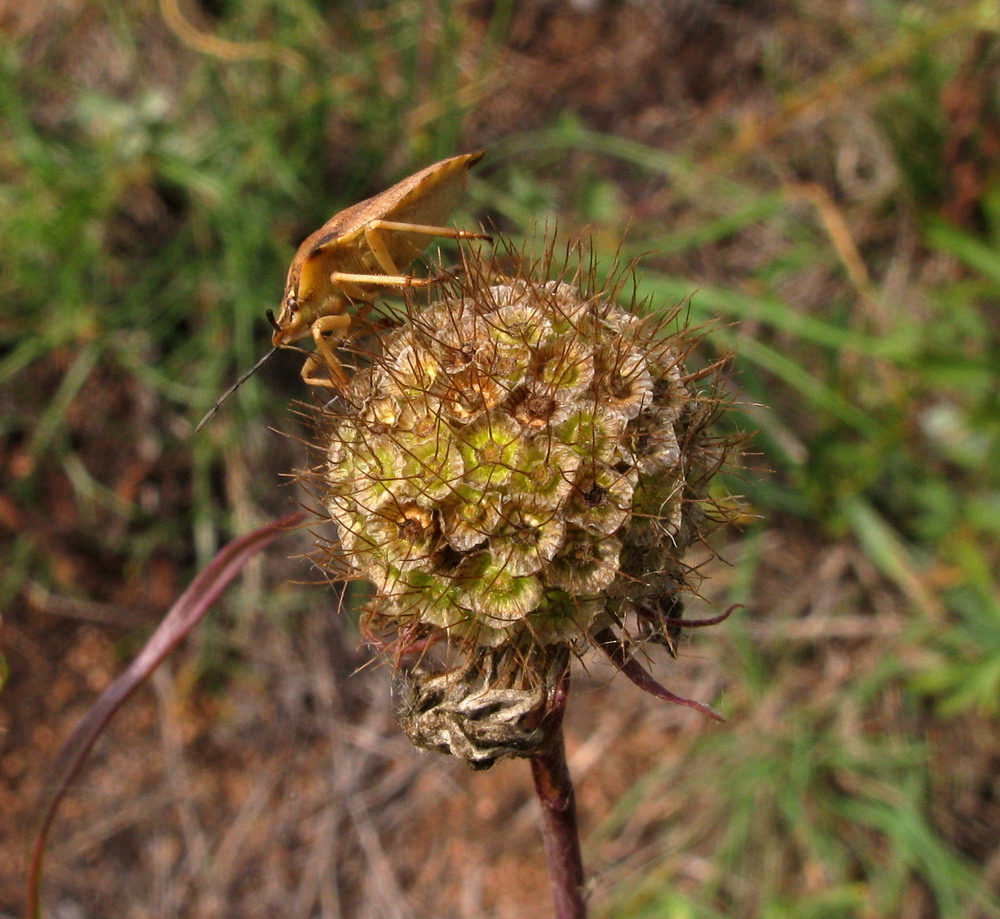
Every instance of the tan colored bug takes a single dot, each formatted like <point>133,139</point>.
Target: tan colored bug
<point>357,253</point>
<point>349,260</point>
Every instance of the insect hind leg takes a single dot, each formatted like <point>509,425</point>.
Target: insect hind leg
<point>376,243</point>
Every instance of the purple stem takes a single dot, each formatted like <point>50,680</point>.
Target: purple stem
<point>560,832</point>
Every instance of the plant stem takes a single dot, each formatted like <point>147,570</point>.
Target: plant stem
<point>560,833</point>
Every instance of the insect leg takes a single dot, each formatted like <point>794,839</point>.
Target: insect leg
<point>446,232</point>
<point>386,280</point>
<point>381,252</point>
<point>313,373</point>
<point>324,330</point>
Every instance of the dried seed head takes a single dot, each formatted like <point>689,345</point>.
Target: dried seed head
<point>496,705</point>
<point>522,466</point>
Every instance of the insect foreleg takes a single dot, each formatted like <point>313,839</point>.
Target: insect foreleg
<point>325,330</point>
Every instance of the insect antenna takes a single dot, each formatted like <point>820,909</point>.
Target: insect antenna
<point>246,376</point>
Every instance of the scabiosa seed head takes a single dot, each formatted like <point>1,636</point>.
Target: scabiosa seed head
<point>518,471</point>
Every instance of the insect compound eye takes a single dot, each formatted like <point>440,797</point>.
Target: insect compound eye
<point>292,303</point>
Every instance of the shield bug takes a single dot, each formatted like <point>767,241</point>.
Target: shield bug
<point>354,256</point>
<point>359,252</point>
